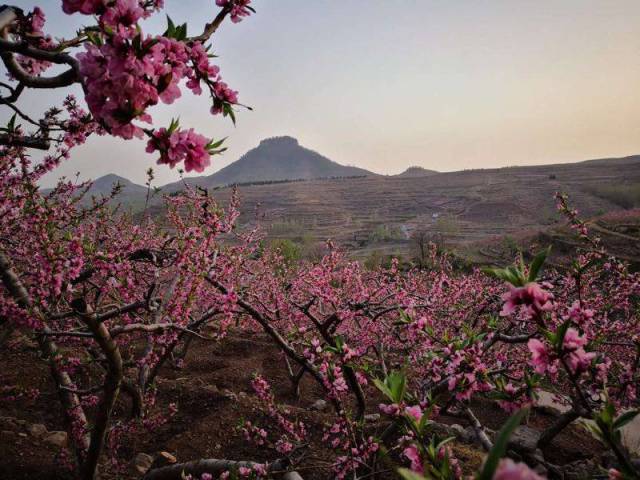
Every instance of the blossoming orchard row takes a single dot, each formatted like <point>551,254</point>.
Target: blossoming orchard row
<point>110,301</point>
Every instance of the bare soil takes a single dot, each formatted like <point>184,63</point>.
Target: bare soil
<point>213,395</point>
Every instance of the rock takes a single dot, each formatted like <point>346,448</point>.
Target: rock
<point>211,390</point>
<point>8,422</point>
<point>524,439</point>
<point>142,463</point>
<point>541,470</point>
<point>579,469</point>
<point>57,439</point>
<point>242,395</point>
<point>163,459</point>
<point>469,435</point>
<point>166,458</point>
<point>456,429</point>
<point>319,405</point>
<point>22,434</point>
<point>292,476</point>
<point>229,395</point>
<point>37,430</point>
<point>372,417</point>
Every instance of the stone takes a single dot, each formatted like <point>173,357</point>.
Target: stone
<point>211,390</point>
<point>292,476</point>
<point>372,417</point>
<point>229,395</point>
<point>579,469</point>
<point>524,439</point>
<point>469,435</point>
<point>456,429</point>
<point>142,463</point>
<point>167,458</point>
<point>8,422</point>
<point>319,405</point>
<point>37,430</point>
<point>57,439</point>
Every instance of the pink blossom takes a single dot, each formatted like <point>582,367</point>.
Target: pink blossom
<point>540,357</point>
<point>237,8</point>
<point>87,7</point>
<point>510,470</point>
<point>414,411</point>
<point>179,146</point>
<point>391,410</point>
<point>413,454</point>
<point>532,297</point>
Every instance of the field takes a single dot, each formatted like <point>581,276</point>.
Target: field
<point>370,214</point>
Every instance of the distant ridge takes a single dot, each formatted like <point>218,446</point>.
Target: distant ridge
<point>274,159</point>
<point>417,172</point>
<point>104,185</point>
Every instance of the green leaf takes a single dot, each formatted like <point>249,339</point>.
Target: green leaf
<point>394,386</point>
<point>537,264</point>
<point>11,126</point>
<point>625,418</point>
<point>382,387</point>
<point>409,475</point>
<point>560,333</point>
<point>500,445</point>
<point>171,28</point>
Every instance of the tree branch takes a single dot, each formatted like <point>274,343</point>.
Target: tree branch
<point>210,465</point>
<point>210,28</point>
<point>39,143</point>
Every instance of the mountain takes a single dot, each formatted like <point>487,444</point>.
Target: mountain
<point>277,158</point>
<point>104,185</point>
<point>417,172</point>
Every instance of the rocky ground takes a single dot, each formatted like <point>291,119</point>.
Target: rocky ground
<point>213,394</point>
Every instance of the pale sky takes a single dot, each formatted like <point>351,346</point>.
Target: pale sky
<point>386,84</point>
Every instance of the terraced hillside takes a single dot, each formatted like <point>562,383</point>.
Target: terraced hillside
<point>381,213</point>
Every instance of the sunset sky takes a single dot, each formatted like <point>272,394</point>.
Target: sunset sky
<point>386,84</point>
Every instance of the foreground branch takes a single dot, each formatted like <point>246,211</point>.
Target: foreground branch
<point>211,465</point>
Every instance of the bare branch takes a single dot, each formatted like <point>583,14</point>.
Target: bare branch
<point>210,465</point>
<point>39,143</point>
<point>210,28</point>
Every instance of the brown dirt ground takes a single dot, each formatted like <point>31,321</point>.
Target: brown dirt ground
<point>213,394</point>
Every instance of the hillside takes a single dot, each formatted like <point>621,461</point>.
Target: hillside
<point>417,172</point>
<point>104,185</point>
<point>378,213</point>
<point>277,158</point>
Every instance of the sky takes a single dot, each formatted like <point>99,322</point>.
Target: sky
<point>388,84</point>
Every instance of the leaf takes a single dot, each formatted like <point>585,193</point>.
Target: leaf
<point>171,28</point>
<point>560,333</point>
<point>409,475</point>
<point>382,387</point>
<point>500,446</point>
<point>625,418</point>
<point>537,264</point>
<point>11,126</point>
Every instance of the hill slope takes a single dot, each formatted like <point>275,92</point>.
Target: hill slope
<point>417,172</point>
<point>277,158</point>
<point>104,185</point>
<point>380,213</point>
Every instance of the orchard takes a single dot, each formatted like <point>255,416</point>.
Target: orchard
<point>112,302</point>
